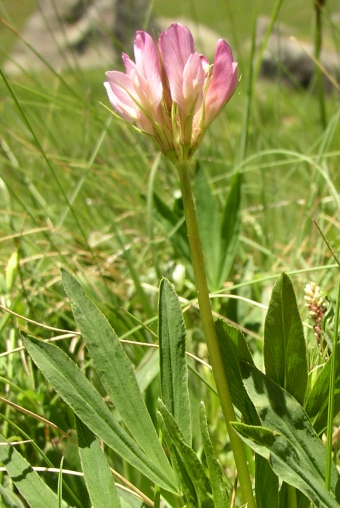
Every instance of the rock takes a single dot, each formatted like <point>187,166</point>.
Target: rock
<point>292,60</point>
<point>93,33</point>
<point>77,33</point>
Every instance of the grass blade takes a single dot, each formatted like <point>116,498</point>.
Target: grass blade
<point>209,224</point>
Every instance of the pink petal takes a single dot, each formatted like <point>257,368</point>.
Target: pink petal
<point>176,46</point>
<point>120,93</point>
<point>138,93</point>
<point>223,81</point>
<point>129,64</point>
<point>125,106</point>
<point>148,64</point>
<point>193,84</point>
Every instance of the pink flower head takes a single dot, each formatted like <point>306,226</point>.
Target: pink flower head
<point>171,92</point>
<point>136,95</point>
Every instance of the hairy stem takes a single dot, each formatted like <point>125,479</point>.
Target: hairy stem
<point>210,334</point>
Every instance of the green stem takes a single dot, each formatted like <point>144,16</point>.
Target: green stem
<point>330,416</point>
<point>318,5</point>
<point>210,333</point>
<point>291,492</point>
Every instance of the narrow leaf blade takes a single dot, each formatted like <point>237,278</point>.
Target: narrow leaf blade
<point>97,474</point>
<point>76,390</point>
<point>284,343</point>
<point>28,482</point>
<point>185,482</point>
<point>266,491</point>
<point>286,462</point>
<point>173,367</point>
<point>189,458</point>
<point>209,227</point>
<point>218,487</point>
<point>234,348</point>
<point>230,228</point>
<point>116,373</point>
<point>281,413</point>
<point>178,235</point>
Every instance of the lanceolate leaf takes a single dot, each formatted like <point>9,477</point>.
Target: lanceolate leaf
<point>189,459</point>
<point>97,474</point>
<point>28,482</point>
<point>10,498</point>
<point>173,367</point>
<point>185,482</point>
<point>116,374</point>
<point>218,487</point>
<point>286,462</point>
<point>287,438</point>
<point>234,348</point>
<point>77,391</point>
<point>266,484</point>
<point>284,343</point>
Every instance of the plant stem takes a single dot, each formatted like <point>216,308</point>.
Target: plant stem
<point>291,492</point>
<point>318,5</point>
<point>210,333</point>
<point>330,416</point>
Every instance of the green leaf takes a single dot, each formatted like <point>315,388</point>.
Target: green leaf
<point>173,367</point>
<point>286,462</point>
<point>234,348</point>
<point>317,401</point>
<point>301,500</point>
<point>230,229</point>
<point>284,343</point>
<point>128,500</point>
<point>266,484</point>
<point>116,374</point>
<point>189,459</point>
<point>178,235</point>
<point>287,438</point>
<point>77,391</point>
<point>209,227</point>
<point>186,484</point>
<point>9,498</point>
<point>149,369</point>
<point>98,477</point>
<point>218,487</point>
<point>33,489</point>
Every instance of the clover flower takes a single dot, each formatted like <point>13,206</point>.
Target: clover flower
<point>316,304</point>
<point>171,92</point>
